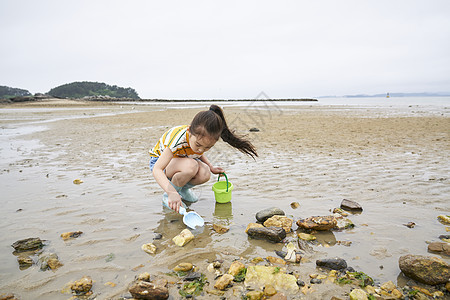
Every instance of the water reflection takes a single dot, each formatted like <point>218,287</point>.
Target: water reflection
<point>223,212</point>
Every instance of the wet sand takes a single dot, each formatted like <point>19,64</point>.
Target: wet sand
<point>394,161</point>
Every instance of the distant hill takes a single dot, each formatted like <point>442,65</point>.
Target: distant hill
<point>92,89</point>
<point>7,92</point>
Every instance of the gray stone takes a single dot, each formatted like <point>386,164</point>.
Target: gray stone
<point>264,214</point>
<point>425,269</point>
<point>332,263</point>
<point>351,205</point>
<point>273,234</point>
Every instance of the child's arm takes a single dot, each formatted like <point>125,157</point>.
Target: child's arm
<point>214,170</point>
<point>161,178</point>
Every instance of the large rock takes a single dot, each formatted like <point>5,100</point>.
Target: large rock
<point>351,205</point>
<point>29,244</point>
<point>332,263</point>
<point>148,290</point>
<point>264,214</point>
<point>279,221</point>
<point>425,269</point>
<point>273,234</point>
<point>439,247</point>
<point>263,276</point>
<point>318,223</point>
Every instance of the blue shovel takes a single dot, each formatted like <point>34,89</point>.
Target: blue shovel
<point>191,219</point>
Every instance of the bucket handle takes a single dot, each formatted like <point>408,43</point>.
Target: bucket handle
<point>225,178</point>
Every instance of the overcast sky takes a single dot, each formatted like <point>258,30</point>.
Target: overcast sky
<point>228,49</point>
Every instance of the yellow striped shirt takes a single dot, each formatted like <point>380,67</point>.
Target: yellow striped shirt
<point>177,140</point>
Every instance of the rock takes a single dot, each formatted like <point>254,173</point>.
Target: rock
<point>306,236</point>
<point>77,181</point>
<point>425,269</point>
<point>157,236</point>
<point>273,234</point>
<point>143,277</point>
<point>183,238</point>
<point>292,254</point>
<point>332,263</point>
<point>148,290</point>
<point>315,281</point>
<point>253,225</point>
<point>295,205</point>
<point>358,294</point>
<point>82,286</point>
<point>183,267</point>
<point>388,286</point>
<point>447,286</point>
<point>24,261</point>
<point>223,281</point>
<point>220,228</point>
<point>254,295</point>
<point>8,297</point>
<point>303,245</point>
<point>344,223</point>
<point>269,290</point>
<point>29,244</point>
<point>318,223</point>
<point>264,214</point>
<point>442,248</point>
<point>276,260</point>
<point>350,205</point>
<point>71,235</point>
<point>410,224</point>
<point>193,276</point>
<point>281,254</point>
<point>149,248</point>
<point>254,129</point>
<point>279,221</point>
<point>235,268</point>
<point>279,296</point>
<point>50,261</point>
<point>340,211</point>
<point>276,277</point>
<point>444,219</point>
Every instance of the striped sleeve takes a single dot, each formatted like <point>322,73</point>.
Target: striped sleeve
<point>174,139</point>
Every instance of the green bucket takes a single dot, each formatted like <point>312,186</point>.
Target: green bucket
<point>222,189</point>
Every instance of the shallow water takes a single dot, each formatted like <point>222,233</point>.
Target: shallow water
<point>118,206</point>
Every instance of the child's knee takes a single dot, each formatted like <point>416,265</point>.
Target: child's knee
<point>203,174</point>
<point>192,167</point>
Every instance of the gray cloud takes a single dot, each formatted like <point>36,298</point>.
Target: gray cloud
<point>233,49</point>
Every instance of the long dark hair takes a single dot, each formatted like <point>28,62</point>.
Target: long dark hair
<point>212,123</point>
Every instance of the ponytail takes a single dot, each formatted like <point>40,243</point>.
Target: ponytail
<point>212,123</point>
<point>231,138</point>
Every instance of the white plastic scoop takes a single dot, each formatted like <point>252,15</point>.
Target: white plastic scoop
<point>191,219</point>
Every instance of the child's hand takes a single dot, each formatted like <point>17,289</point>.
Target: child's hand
<point>217,170</point>
<point>174,201</point>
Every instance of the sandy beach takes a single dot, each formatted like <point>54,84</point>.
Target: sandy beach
<point>393,161</point>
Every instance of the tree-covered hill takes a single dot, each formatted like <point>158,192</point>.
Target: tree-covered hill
<point>92,89</point>
<point>7,92</point>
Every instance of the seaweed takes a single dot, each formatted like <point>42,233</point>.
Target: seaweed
<point>193,288</point>
<point>241,275</point>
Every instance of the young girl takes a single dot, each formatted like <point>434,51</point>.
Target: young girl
<point>178,161</point>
